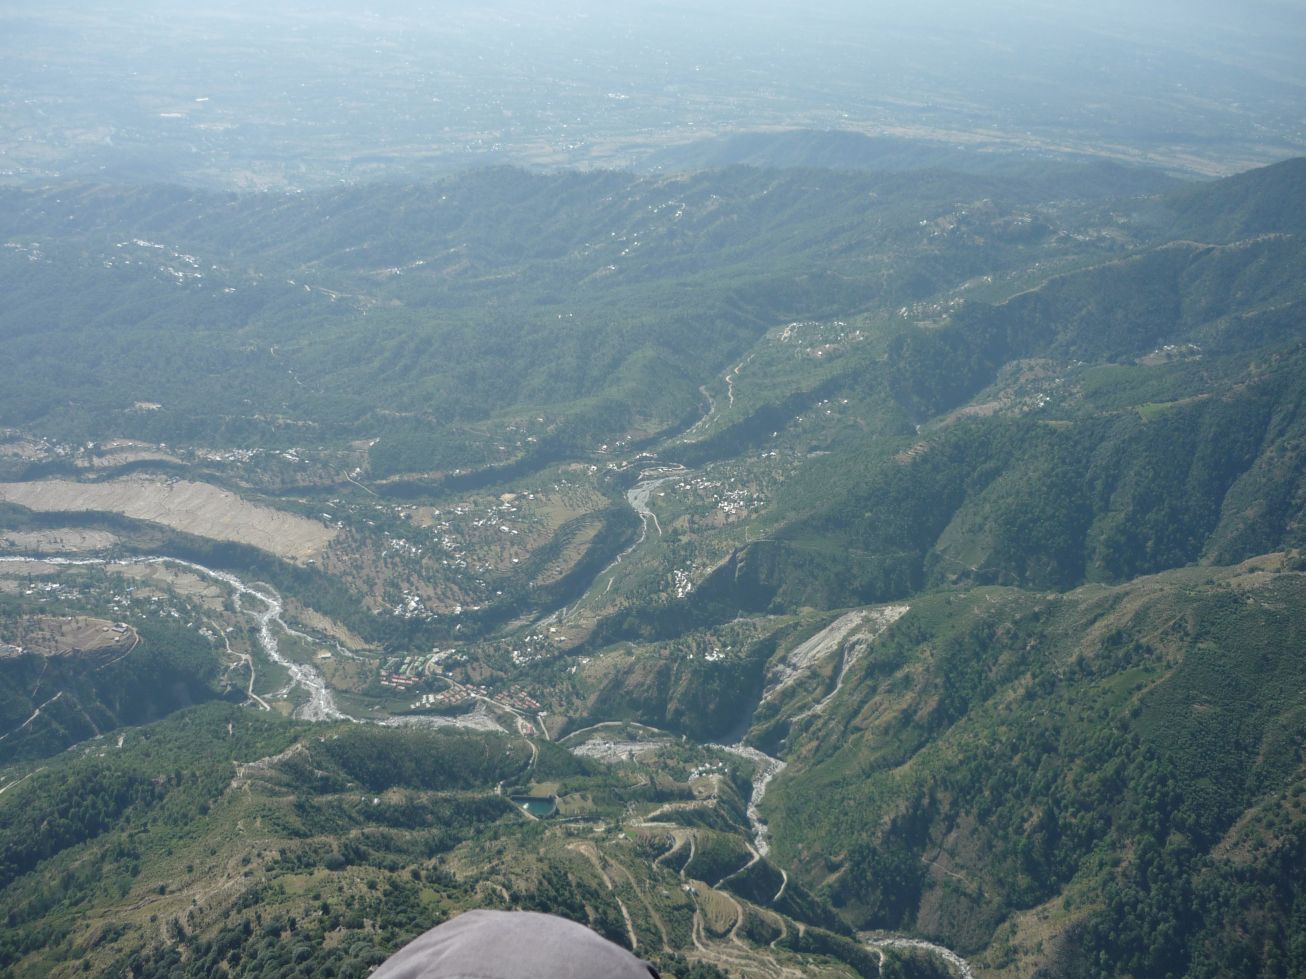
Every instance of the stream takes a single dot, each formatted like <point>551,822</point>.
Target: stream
<point>321,704</point>
<point>638,497</point>
<point>766,768</point>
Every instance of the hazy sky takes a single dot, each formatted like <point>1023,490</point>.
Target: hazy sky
<point>264,89</point>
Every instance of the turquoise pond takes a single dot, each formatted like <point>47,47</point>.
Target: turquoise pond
<point>538,806</point>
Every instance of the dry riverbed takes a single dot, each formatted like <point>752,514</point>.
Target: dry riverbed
<point>193,508</point>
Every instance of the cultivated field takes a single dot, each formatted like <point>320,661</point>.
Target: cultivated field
<point>50,636</point>
<point>63,540</point>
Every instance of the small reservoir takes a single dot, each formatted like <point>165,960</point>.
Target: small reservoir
<point>538,806</point>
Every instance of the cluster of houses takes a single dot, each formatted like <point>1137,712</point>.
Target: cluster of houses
<point>730,501</point>
<point>518,698</point>
<point>425,664</point>
<point>707,769</point>
<point>445,698</point>
<point>399,681</point>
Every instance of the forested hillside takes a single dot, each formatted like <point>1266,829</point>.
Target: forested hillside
<point>1105,781</point>
<point>602,300</point>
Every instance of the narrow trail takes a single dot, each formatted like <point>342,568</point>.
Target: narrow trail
<point>753,859</point>
<point>35,714</point>
<point>136,641</point>
<point>245,660</point>
<point>944,870</point>
<point>730,378</point>
<point>45,665</point>
<point>6,788</point>
<point>526,773</point>
<point>740,917</point>
<point>588,850</point>
<point>707,415</point>
<point>687,806</point>
<point>784,931</point>
<point>606,724</point>
<point>365,489</point>
<point>784,882</point>
<point>696,931</point>
<point>648,906</point>
<point>677,840</point>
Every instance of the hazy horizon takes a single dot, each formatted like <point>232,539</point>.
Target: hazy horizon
<point>291,94</point>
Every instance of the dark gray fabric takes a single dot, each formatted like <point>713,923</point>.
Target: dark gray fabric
<point>512,945</point>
